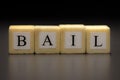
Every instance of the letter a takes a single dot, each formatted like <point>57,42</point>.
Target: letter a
<point>47,39</point>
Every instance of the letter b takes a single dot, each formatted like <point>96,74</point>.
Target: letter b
<point>21,42</point>
<point>21,39</point>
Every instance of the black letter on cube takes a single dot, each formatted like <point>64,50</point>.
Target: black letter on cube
<point>96,45</point>
<point>47,39</point>
<point>73,37</point>
<point>21,40</point>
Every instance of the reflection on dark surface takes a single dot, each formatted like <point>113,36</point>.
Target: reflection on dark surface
<point>59,67</point>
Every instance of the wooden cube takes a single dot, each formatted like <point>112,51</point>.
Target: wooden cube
<point>21,39</point>
<point>72,38</point>
<point>47,39</point>
<point>98,38</point>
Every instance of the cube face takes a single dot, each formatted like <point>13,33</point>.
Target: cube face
<point>72,39</point>
<point>98,39</point>
<point>21,39</point>
<point>47,39</point>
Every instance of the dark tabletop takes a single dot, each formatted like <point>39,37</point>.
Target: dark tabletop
<point>61,67</point>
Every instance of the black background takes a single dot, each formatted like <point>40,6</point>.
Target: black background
<point>60,67</point>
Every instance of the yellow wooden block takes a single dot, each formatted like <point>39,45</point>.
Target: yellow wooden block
<point>47,39</point>
<point>98,39</point>
<point>72,38</point>
<point>21,39</point>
